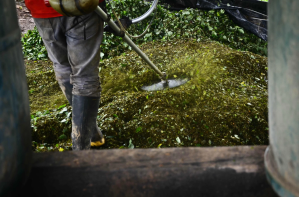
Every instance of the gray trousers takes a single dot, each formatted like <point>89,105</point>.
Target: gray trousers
<point>73,45</point>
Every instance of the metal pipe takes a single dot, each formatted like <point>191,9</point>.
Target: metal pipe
<point>144,16</point>
<point>104,16</point>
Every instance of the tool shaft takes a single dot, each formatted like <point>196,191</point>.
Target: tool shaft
<point>104,16</point>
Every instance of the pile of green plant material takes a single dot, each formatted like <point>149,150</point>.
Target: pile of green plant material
<point>223,103</point>
<point>44,91</point>
<point>46,102</point>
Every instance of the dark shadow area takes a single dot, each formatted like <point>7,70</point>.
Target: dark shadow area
<point>142,182</point>
<point>205,172</point>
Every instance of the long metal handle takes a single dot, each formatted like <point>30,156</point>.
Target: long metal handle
<point>104,16</point>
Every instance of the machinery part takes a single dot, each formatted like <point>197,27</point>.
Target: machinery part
<point>82,7</point>
<point>147,14</point>
<point>73,7</point>
<point>164,84</point>
<point>125,22</point>
<point>104,16</point>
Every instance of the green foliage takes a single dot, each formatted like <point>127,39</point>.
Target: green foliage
<point>33,47</point>
<point>46,147</point>
<point>44,91</point>
<point>52,125</point>
<point>190,23</point>
<point>50,115</point>
<point>168,25</point>
<point>186,24</point>
<point>224,103</point>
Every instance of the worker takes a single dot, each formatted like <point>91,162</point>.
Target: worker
<point>73,45</point>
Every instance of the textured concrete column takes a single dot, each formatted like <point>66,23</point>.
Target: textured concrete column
<point>282,157</point>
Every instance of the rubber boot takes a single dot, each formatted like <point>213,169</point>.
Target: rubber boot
<point>97,136</point>
<point>84,122</point>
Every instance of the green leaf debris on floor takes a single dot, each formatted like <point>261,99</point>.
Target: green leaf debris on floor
<point>223,103</point>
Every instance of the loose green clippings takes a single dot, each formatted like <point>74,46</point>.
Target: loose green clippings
<point>224,103</point>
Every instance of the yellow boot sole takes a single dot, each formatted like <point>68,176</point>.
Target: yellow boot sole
<point>98,143</point>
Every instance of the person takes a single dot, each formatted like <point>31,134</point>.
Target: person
<point>73,45</point>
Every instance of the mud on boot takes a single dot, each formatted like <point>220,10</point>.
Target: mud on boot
<point>84,125</point>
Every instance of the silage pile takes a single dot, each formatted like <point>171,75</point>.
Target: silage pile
<point>224,102</point>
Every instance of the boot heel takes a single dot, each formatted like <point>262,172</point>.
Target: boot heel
<point>97,143</point>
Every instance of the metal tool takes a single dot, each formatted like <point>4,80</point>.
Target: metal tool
<point>165,83</point>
